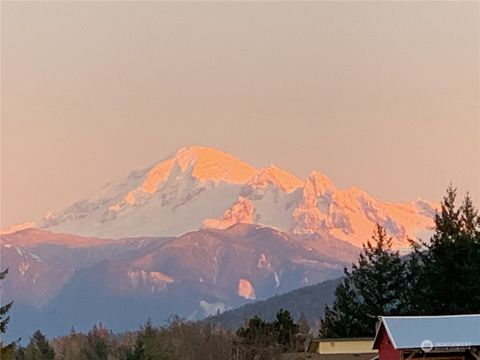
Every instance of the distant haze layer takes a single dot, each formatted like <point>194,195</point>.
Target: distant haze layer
<point>383,96</point>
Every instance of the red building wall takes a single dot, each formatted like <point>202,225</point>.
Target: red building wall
<point>386,351</point>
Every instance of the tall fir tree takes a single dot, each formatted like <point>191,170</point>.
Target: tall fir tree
<point>285,329</point>
<point>448,278</point>
<point>257,333</point>
<point>5,350</point>
<point>97,344</point>
<point>375,286</point>
<point>39,348</point>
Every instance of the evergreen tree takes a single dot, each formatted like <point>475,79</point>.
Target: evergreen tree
<point>414,293</point>
<point>285,330</point>
<point>258,340</point>
<point>97,343</point>
<point>148,338</point>
<point>344,318</point>
<point>450,263</point>
<point>39,348</point>
<point>138,352</point>
<point>257,332</point>
<point>375,286</point>
<point>5,350</point>
<point>19,352</point>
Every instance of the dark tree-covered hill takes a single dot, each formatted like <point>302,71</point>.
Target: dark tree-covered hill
<point>309,300</point>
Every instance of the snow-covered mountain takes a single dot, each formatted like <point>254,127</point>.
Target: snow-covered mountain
<point>197,233</point>
<point>201,187</point>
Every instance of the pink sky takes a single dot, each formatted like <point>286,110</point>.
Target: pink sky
<point>383,96</point>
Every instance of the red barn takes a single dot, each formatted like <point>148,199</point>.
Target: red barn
<point>452,337</point>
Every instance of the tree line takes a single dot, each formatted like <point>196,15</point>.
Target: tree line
<point>438,277</point>
<point>180,339</point>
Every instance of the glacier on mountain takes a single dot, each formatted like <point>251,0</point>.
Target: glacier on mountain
<point>202,187</point>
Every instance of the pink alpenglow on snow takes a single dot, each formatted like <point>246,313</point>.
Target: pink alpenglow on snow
<point>246,290</point>
<point>200,187</point>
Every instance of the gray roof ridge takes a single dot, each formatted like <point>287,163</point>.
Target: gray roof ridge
<point>390,325</point>
<point>428,316</point>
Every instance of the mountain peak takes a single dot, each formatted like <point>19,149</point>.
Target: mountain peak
<point>277,176</point>
<point>321,178</point>
<point>212,164</point>
<point>205,163</point>
<point>319,183</point>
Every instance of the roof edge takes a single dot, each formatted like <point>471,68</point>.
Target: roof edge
<point>379,328</point>
<point>429,316</point>
<point>383,324</point>
<point>345,339</point>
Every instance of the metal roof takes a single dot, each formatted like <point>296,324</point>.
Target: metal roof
<point>450,331</point>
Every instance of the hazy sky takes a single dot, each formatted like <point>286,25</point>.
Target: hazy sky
<point>379,95</point>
